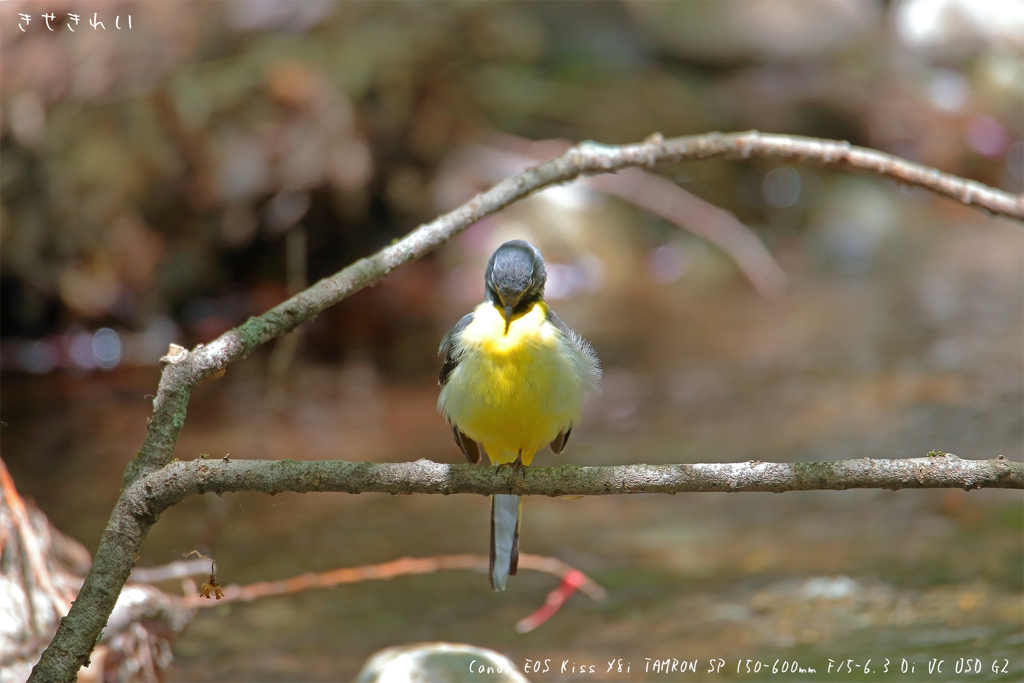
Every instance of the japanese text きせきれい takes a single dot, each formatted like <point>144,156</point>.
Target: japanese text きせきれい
<point>72,21</point>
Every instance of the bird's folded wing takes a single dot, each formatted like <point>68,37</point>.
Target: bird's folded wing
<point>451,349</point>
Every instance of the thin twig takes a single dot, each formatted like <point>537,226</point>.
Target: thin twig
<point>571,582</point>
<point>388,570</point>
<point>130,523</point>
<point>686,210</point>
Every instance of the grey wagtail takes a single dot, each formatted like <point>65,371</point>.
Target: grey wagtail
<point>513,381</point>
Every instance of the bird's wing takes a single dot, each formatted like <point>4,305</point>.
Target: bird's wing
<point>590,366</point>
<point>451,349</point>
<point>452,353</point>
<point>471,449</point>
<point>558,445</point>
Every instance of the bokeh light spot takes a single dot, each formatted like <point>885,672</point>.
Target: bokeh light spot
<point>667,263</point>
<point>106,348</point>
<point>986,136</point>
<point>781,187</point>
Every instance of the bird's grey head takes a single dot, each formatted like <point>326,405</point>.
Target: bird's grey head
<point>515,277</point>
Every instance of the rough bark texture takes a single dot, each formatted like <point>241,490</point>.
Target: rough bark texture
<point>161,490</point>
<point>135,513</point>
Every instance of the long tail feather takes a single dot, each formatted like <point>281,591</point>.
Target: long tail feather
<point>505,514</point>
<point>513,563</point>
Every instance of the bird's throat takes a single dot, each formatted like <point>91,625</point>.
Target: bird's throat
<point>501,335</point>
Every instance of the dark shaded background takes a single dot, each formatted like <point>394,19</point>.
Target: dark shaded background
<point>164,182</point>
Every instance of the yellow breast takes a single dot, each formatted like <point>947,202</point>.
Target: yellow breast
<point>513,391</point>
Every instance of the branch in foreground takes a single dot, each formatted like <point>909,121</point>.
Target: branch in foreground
<point>125,532</point>
<point>161,490</point>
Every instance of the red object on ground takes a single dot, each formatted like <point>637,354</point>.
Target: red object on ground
<point>556,598</point>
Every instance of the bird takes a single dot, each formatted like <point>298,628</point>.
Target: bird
<point>512,382</point>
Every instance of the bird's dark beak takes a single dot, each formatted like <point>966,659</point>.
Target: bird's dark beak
<point>508,316</point>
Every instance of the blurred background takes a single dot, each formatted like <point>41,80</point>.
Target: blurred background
<point>162,182</point>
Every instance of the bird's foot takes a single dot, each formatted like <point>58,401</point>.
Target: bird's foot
<point>517,466</point>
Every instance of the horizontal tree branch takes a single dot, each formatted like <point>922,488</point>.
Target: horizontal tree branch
<point>183,370</point>
<point>160,490</point>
